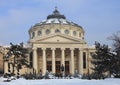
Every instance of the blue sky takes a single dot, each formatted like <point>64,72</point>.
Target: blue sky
<point>99,18</point>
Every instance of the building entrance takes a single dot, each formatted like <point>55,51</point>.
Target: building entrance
<point>58,66</point>
<point>66,67</point>
<point>49,66</point>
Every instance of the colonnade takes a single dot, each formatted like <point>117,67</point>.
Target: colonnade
<point>72,67</point>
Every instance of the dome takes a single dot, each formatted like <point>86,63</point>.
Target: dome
<point>56,18</point>
<point>56,14</point>
<point>56,23</point>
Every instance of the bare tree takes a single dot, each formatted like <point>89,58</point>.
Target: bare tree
<point>116,50</point>
<point>116,41</point>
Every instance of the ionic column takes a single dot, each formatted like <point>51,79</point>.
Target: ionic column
<point>80,61</point>
<point>44,60</point>
<point>53,60</point>
<point>72,60</point>
<point>35,59</point>
<point>63,57</point>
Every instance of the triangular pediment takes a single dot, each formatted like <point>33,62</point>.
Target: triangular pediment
<point>57,38</point>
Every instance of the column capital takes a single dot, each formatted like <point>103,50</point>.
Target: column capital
<point>34,48</point>
<point>43,48</point>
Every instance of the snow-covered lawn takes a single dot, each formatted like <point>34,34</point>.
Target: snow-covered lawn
<point>111,81</point>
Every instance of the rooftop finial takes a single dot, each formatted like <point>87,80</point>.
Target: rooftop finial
<point>56,14</point>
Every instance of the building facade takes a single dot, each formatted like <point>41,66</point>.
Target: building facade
<point>57,45</point>
<point>57,42</point>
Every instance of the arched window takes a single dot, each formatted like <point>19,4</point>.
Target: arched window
<point>31,59</point>
<point>47,31</point>
<point>57,31</point>
<point>39,33</point>
<point>33,35</point>
<point>66,31</point>
<point>74,33</point>
<point>79,34</point>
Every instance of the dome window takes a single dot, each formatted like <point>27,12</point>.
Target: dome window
<point>57,31</point>
<point>74,33</point>
<point>66,31</point>
<point>39,33</point>
<point>33,35</point>
<point>79,34</point>
<point>47,31</point>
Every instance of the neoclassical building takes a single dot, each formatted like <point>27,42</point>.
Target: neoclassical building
<point>56,42</point>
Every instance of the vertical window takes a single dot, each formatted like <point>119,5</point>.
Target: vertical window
<point>84,60</point>
<point>31,59</point>
<point>58,66</point>
<point>67,67</point>
<point>33,35</point>
<point>79,34</point>
<point>49,66</point>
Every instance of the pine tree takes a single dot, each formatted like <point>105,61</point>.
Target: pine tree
<point>102,60</point>
<point>17,56</point>
<point>116,48</point>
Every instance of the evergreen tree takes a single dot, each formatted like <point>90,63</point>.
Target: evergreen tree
<point>17,56</point>
<point>102,60</point>
<point>116,49</point>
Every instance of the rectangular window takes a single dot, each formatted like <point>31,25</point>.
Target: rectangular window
<point>66,67</point>
<point>31,59</point>
<point>49,66</point>
<point>84,60</point>
<point>58,66</point>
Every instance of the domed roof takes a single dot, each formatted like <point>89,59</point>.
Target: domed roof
<point>56,14</point>
<point>56,18</point>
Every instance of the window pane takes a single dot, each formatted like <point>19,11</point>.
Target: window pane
<point>39,33</point>
<point>57,31</point>
<point>66,31</point>
<point>84,60</point>
<point>47,31</point>
<point>74,33</point>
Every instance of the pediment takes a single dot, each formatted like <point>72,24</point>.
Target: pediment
<point>59,39</point>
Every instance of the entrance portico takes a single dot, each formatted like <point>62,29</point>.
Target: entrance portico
<point>53,58</point>
<point>56,42</point>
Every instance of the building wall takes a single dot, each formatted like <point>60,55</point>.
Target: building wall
<point>1,62</point>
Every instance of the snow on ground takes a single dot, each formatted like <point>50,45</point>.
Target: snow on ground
<point>111,81</point>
